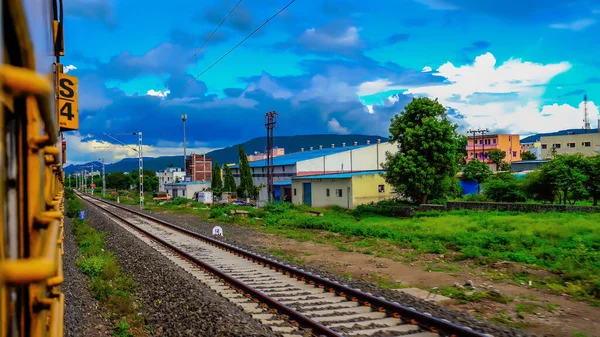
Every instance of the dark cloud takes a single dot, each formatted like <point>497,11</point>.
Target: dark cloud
<point>101,10</point>
<point>241,19</point>
<point>477,46</point>
<point>306,103</point>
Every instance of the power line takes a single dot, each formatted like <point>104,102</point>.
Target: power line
<point>230,50</point>
<point>203,44</point>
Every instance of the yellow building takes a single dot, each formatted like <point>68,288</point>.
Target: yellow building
<point>587,144</point>
<point>346,190</point>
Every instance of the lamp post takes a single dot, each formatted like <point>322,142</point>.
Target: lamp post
<point>184,118</point>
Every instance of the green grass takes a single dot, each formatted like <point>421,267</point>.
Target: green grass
<point>567,244</point>
<point>108,284</point>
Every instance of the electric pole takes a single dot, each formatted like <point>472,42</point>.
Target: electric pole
<point>140,160</point>
<point>482,132</point>
<point>270,125</point>
<point>103,180</point>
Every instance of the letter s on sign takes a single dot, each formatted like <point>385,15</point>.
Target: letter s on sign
<point>66,88</point>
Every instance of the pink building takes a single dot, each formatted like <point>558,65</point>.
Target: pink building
<point>260,156</point>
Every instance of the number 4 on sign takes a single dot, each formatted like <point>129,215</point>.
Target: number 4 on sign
<point>218,231</point>
<point>67,110</point>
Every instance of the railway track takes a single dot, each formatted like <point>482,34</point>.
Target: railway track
<point>287,299</point>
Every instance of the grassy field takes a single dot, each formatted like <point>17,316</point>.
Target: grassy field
<point>565,244</point>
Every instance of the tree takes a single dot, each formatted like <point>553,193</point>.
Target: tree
<point>216,184</point>
<point>461,151</point>
<point>150,180</point>
<point>497,156</point>
<point>566,173</point>
<point>246,188</point>
<point>477,171</point>
<point>229,182</point>
<point>118,180</point>
<point>504,188</point>
<point>537,186</point>
<point>592,170</point>
<point>427,150</point>
<point>528,156</point>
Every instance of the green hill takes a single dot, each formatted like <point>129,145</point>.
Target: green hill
<point>229,154</point>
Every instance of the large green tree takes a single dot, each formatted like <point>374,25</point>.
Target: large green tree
<point>567,175</point>
<point>426,161</point>
<point>229,182</point>
<point>246,188</point>
<point>150,180</point>
<point>118,180</point>
<point>216,184</point>
<point>477,171</point>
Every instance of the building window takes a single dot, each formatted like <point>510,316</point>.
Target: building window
<point>544,146</point>
<point>514,153</point>
<point>494,140</point>
<point>381,188</point>
<point>327,192</point>
<point>570,144</point>
<point>294,191</point>
<point>253,170</point>
<point>183,192</point>
<point>283,168</point>
<point>262,170</point>
<point>556,146</point>
<point>487,142</point>
<point>586,144</point>
<point>338,192</point>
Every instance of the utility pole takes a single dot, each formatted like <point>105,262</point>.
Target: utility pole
<point>204,167</point>
<point>184,118</point>
<point>270,125</point>
<point>103,180</point>
<point>140,160</point>
<point>475,132</point>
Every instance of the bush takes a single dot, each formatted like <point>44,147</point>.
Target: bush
<point>385,210</point>
<point>73,207</point>
<point>504,189</point>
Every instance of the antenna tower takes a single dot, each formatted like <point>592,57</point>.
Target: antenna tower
<point>586,118</point>
<point>270,125</point>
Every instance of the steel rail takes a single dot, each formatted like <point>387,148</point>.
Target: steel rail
<point>410,315</point>
<point>298,318</point>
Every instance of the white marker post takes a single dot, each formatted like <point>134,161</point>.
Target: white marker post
<point>218,231</point>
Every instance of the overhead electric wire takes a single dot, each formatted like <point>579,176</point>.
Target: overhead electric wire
<point>203,44</point>
<point>230,50</point>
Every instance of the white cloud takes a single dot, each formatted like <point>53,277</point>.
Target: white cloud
<point>506,97</point>
<point>575,25</point>
<point>426,69</point>
<point>68,68</point>
<point>513,76</point>
<point>334,126</point>
<point>161,94</point>
<point>373,87</point>
<point>79,152</point>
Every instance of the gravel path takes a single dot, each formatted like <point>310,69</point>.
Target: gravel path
<point>177,304</point>
<point>82,312</point>
<point>236,235</point>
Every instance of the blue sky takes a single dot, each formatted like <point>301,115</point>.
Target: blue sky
<point>326,66</point>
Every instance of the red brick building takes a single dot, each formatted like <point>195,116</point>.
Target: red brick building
<point>198,167</point>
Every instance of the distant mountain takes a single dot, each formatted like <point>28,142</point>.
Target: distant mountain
<point>229,155</point>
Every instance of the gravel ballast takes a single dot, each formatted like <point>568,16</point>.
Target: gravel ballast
<point>176,303</point>
<point>82,312</point>
<point>236,234</point>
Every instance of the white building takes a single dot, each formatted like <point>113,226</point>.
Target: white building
<point>332,159</point>
<point>168,176</point>
<point>186,189</point>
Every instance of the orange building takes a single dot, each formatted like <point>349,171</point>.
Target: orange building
<point>478,147</point>
<point>278,151</point>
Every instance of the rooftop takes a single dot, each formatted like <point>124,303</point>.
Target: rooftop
<point>537,137</point>
<point>206,182</point>
<point>342,175</point>
<point>293,158</point>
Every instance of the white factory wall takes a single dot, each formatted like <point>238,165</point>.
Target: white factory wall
<point>354,159</point>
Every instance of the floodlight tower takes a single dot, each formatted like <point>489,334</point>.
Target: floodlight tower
<point>183,119</point>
